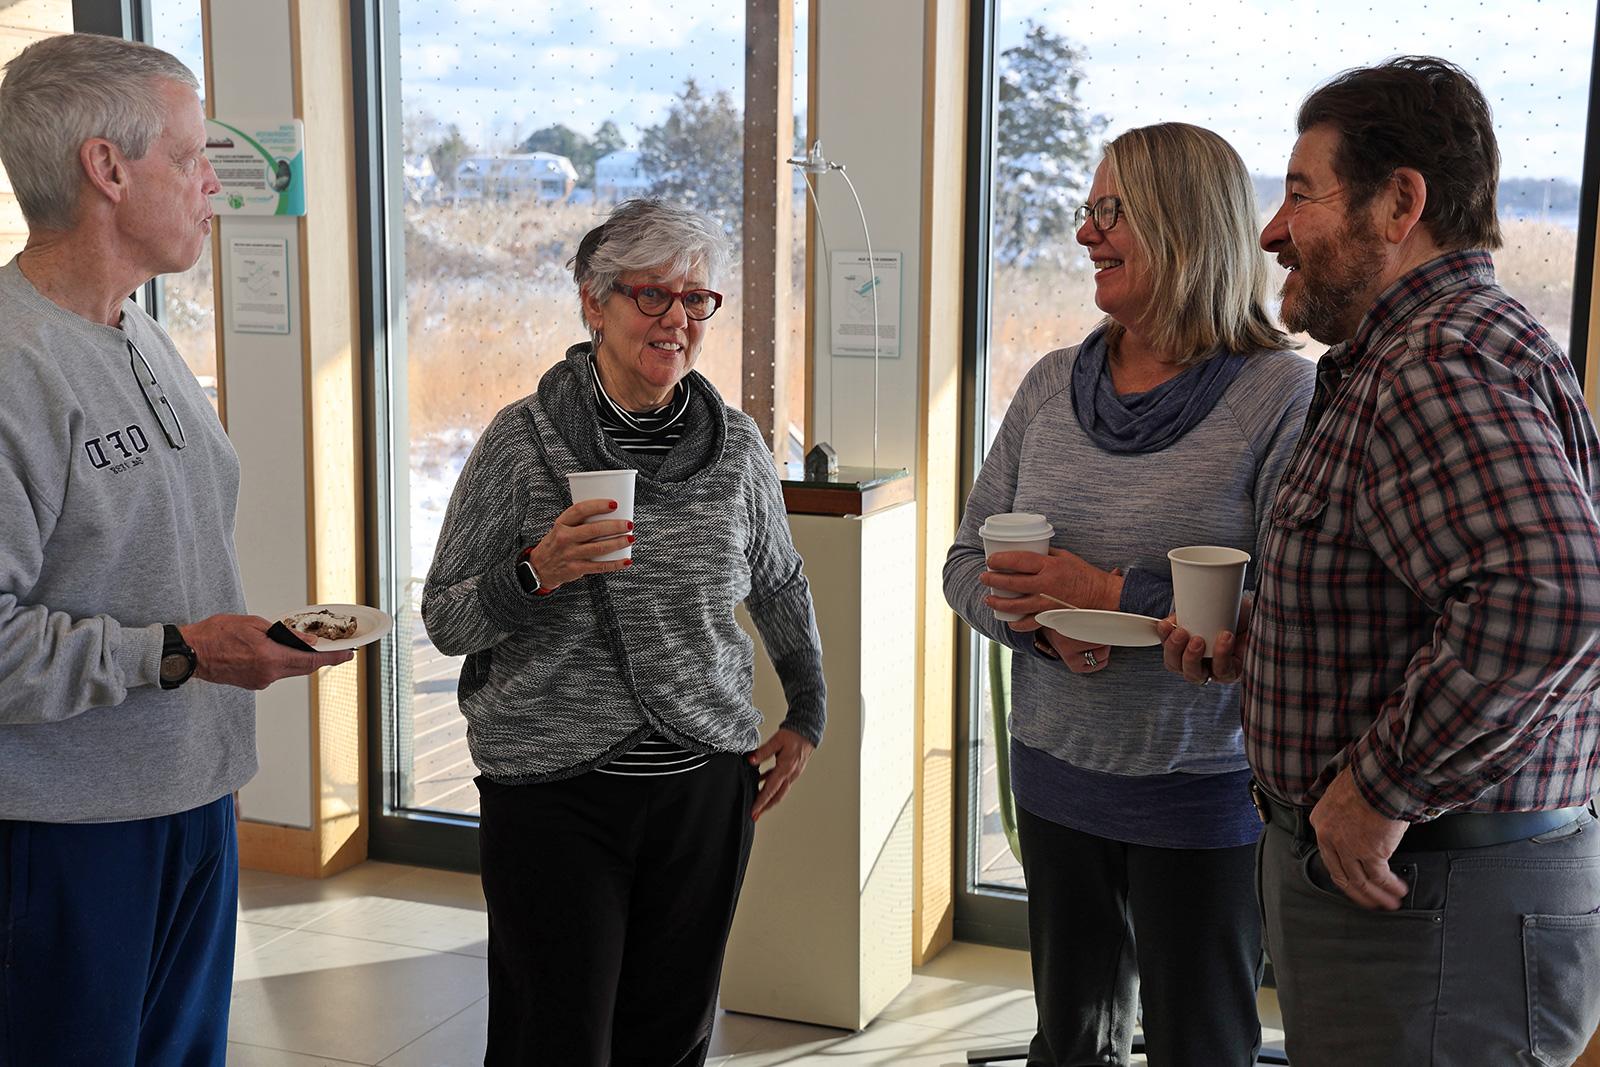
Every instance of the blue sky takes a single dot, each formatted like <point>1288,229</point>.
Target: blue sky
<point>502,68</point>
<point>1241,68</point>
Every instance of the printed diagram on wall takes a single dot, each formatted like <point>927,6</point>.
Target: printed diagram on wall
<point>258,269</point>
<point>864,294</point>
<point>261,165</point>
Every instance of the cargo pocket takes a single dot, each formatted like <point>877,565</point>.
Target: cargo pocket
<point>1561,958</point>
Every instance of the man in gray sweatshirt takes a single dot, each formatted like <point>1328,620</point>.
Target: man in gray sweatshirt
<point>126,721</point>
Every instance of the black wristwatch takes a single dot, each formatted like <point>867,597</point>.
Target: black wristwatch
<point>527,577</point>
<point>178,660</point>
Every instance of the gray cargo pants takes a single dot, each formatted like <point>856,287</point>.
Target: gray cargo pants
<point>1493,959</point>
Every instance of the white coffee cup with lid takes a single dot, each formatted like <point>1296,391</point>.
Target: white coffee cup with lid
<point>1015,531</point>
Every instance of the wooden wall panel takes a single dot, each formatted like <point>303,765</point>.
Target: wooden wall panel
<point>939,468</point>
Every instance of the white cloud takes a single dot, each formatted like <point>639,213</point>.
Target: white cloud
<point>1244,72</point>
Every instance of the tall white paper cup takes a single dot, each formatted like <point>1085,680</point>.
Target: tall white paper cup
<point>1015,531</point>
<point>1207,584</point>
<point>606,485</point>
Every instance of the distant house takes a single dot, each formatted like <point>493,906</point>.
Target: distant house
<point>618,175</point>
<point>542,176</point>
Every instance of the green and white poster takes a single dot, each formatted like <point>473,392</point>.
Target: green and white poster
<point>261,166</point>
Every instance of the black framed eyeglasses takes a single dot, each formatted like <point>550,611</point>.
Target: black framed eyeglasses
<point>1104,212</point>
<point>656,300</point>
<point>160,406</point>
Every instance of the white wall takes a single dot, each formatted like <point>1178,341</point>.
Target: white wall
<point>251,68</point>
<point>869,56</point>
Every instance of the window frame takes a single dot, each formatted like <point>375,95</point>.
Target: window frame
<point>998,916</point>
<point>395,832</point>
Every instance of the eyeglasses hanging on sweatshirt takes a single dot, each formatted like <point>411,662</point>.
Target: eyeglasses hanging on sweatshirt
<point>160,406</point>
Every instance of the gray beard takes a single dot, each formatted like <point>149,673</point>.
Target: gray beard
<point>1330,303</point>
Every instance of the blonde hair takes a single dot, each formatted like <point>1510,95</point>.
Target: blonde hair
<point>1189,204</point>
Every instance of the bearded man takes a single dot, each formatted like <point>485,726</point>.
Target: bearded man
<point>1421,668</point>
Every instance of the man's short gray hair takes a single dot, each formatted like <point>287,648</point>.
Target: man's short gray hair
<point>647,234</point>
<point>62,91</point>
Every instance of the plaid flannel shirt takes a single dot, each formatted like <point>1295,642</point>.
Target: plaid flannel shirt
<point>1429,603</point>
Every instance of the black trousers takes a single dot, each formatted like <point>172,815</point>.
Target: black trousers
<point>1112,924</point>
<point>610,900</point>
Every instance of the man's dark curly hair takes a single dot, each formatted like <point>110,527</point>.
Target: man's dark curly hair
<point>1426,114</point>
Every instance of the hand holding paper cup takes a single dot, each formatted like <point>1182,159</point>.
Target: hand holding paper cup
<point>1207,584</point>
<point>1017,531</point>
<point>606,485</point>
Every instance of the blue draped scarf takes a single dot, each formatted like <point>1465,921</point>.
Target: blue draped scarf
<point>1151,420</point>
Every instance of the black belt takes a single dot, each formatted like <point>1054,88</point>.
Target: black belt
<point>1464,829</point>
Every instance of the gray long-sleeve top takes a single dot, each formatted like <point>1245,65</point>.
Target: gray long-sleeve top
<point>106,532</point>
<point>1213,486</point>
<point>556,685</point>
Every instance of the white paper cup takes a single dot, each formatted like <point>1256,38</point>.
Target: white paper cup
<point>606,485</point>
<point>1015,531</point>
<point>1207,585</point>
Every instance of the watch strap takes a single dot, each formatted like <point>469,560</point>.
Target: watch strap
<point>178,660</point>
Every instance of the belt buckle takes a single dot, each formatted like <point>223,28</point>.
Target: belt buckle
<point>1258,797</point>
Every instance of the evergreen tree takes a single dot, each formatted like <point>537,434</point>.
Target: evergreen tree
<point>1046,146</point>
<point>608,139</point>
<point>695,156</point>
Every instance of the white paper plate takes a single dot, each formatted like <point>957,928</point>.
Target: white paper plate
<point>1101,627</point>
<point>371,625</point>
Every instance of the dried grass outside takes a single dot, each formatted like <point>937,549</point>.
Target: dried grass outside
<point>1035,311</point>
<point>490,306</point>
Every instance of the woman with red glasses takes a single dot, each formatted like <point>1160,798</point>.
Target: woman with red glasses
<point>608,701</point>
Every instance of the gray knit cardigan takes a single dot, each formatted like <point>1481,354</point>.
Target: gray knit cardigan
<point>556,685</point>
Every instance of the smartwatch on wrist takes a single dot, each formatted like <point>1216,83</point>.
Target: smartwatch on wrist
<point>527,577</point>
<point>178,660</point>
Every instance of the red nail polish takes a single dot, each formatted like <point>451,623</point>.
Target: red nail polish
<point>630,525</point>
<point>613,505</point>
<point>630,539</point>
<point>627,563</point>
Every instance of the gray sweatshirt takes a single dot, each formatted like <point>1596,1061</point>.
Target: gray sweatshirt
<point>1213,486</point>
<point>106,532</point>
<point>556,685</point>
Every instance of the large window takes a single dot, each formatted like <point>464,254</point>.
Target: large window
<point>1063,80</point>
<point>510,130</point>
<point>184,302</point>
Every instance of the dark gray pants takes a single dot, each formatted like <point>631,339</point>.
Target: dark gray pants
<point>1112,924</point>
<point>1493,958</point>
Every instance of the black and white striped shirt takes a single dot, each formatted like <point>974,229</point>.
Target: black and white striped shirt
<point>654,432</point>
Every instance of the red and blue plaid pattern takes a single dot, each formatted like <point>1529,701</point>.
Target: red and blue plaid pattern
<point>1429,601</point>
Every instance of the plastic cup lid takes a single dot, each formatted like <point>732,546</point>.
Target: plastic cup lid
<point>1016,526</point>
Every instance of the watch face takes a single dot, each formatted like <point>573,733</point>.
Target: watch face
<point>174,668</point>
<point>526,577</point>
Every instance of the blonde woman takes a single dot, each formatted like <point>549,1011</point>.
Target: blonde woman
<point>1167,426</point>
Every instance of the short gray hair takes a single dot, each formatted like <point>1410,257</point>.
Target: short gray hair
<point>644,234</point>
<point>62,91</point>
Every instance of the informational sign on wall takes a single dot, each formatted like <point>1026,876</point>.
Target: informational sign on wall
<point>865,294</point>
<point>258,270</point>
<point>261,166</point>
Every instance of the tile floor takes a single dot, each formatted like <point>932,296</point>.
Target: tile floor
<point>384,964</point>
